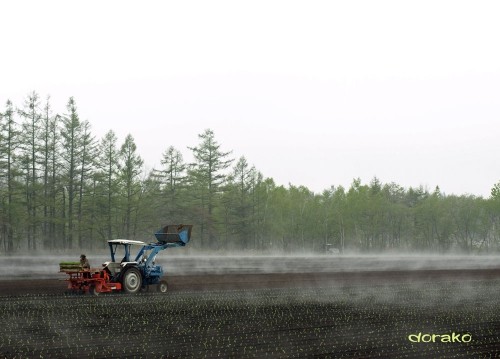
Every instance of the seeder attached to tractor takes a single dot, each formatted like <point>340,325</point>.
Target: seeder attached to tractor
<point>129,275</point>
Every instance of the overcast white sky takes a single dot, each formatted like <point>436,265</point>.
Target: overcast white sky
<point>312,93</point>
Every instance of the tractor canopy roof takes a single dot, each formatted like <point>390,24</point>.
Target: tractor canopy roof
<point>126,241</point>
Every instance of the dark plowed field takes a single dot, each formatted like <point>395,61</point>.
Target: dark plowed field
<point>336,315</point>
<point>22,286</point>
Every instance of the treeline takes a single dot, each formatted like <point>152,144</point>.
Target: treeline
<point>62,188</point>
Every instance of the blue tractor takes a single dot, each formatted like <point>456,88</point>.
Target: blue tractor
<point>133,274</point>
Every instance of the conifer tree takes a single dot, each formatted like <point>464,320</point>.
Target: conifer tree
<point>71,136</point>
<point>207,177</point>
<point>239,201</point>
<point>31,160</point>
<point>107,184</point>
<point>49,158</point>
<point>171,178</point>
<point>9,142</point>
<point>131,169</point>
<point>86,168</point>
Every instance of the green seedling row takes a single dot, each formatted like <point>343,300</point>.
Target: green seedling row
<point>69,265</point>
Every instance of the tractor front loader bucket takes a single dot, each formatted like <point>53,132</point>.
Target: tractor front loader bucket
<point>174,233</point>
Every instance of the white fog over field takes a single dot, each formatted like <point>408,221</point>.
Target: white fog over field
<point>48,266</point>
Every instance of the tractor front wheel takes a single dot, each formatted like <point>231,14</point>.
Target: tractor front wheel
<point>162,287</point>
<point>93,291</point>
<point>132,281</point>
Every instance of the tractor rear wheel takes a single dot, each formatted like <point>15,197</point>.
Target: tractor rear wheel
<point>132,280</point>
<point>162,287</point>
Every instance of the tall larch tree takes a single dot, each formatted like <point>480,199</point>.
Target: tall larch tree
<point>71,133</point>
<point>171,178</point>
<point>238,199</point>
<point>9,142</point>
<point>131,170</point>
<point>108,184</point>
<point>259,201</point>
<point>49,157</point>
<point>207,174</point>
<point>30,158</point>
<point>86,166</point>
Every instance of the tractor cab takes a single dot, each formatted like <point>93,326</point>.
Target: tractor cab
<point>120,258</point>
<point>114,244</point>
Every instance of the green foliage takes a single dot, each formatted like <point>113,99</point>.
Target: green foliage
<point>131,169</point>
<point>62,188</point>
<point>171,185</point>
<point>207,178</point>
<point>495,191</point>
<point>10,189</point>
